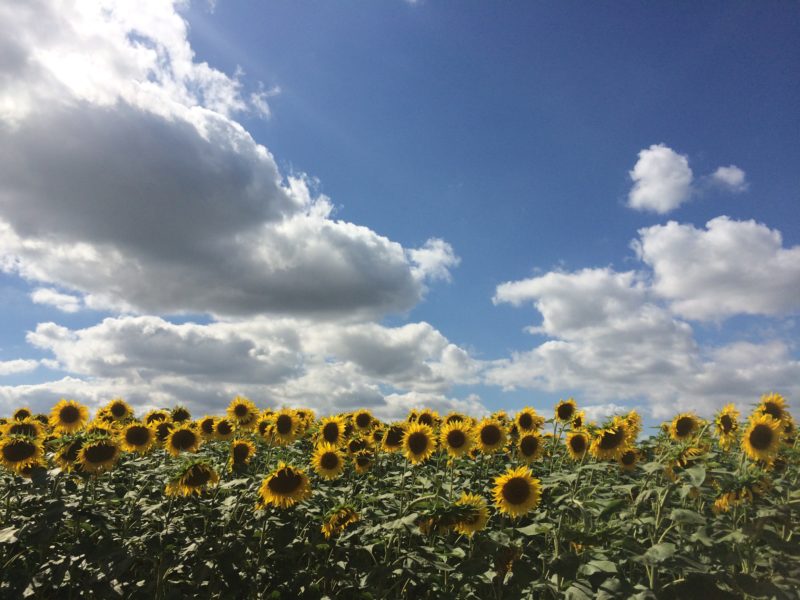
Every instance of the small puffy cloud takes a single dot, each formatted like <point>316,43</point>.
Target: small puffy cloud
<point>730,267</point>
<point>433,260</point>
<point>662,180</point>
<point>12,367</point>
<point>731,178</point>
<point>63,302</point>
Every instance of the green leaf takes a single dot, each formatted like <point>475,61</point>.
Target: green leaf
<point>690,517</point>
<point>697,475</point>
<point>658,553</point>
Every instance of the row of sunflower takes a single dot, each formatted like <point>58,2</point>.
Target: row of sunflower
<point>438,474</point>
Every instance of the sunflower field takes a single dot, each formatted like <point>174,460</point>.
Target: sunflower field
<point>283,504</point>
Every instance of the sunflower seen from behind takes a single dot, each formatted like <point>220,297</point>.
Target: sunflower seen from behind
<point>284,487</point>
<point>456,438</point>
<point>68,416</point>
<point>327,461</point>
<point>516,492</point>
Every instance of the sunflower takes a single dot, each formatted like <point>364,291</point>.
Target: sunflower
<point>530,447</point>
<point>363,461</point>
<point>683,427</point>
<point>454,417</point>
<point>264,426</point>
<point>376,435</point>
<point>338,520</point>
<point>331,430</point>
<point>66,456</point>
<point>285,427</point>
<point>628,459</point>
<point>284,487</point>
<point>99,455</point>
<point>565,410</point>
<point>527,420</point>
<point>428,417</point>
<point>773,405</point>
<point>193,479</point>
<point>156,416</point>
<point>223,429</point>
<point>327,461</point>
<point>43,419</point>
<point>163,429</point>
<point>242,412</point>
<point>242,452</point>
<point>516,492</point>
<point>100,428</point>
<point>29,427</point>
<point>633,423</point>
<point>762,438</point>
<point>478,515</point>
<point>490,435</point>
<point>418,442</point>
<point>180,414</point>
<point>137,437</point>
<point>456,438</point>
<point>20,451</point>
<point>578,420</point>
<point>611,442</point>
<point>183,439</point>
<point>118,409</point>
<point>727,424</point>
<point>577,444</point>
<point>393,438</point>
<point>363,420</point>
<point>22,413</point>
<point>68,416</point>
<point>206,427</point>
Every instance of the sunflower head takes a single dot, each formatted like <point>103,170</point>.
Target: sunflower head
<point>456,438</point>
<point>762,438</point>
<point>331,430</point>
<point>285,427</point>
<point>516,492</point>
<point>363,420</point>
<point>99,455</point>
<point>68,452</point>
<point>68,416</point>
<point>579,420</point>
<point>530,447</point>
<point>628,459</point>
<point>683,427</point>
<point>565,410</point>
<point>242,412</point>
<point>633,423</point>
<point>490,435</point>
<point>327,461</point>
<point>338,519</point>
<point>137,437</point>
<point>163,429</point>
<point>193,478</point>
<point>419,442</point>
<point>29,427</point>
<point>773,405</point>
<point>454,417</point>
<point>22,413</point>
<point>284,487</point>
<point>242,452</point>
<point>428,417</point>
<point>577,444</point>
<point>180,414</point>
<point>527,420</point>
<point>118,410</point>
<point>206,427</point>
<point>223,429</point>
<point>476,517</point>
<point>156,416</point>
<point>610,443</point>
<point>393,437</point>
<point>363,461</point>
<point>19,452</point>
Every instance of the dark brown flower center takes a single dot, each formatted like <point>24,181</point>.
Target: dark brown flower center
<point>565,411</point>
<point>70,452</point>
<point>28,429</point>
<point>611,439</point>
<point>330,432</point>
<point>285,482</point>
<point>69,414</point>
<point>490,435</point>
<point>363,460</point>
<point>773,410</point>
<point>356,446</point>
<point>525,421</point>
<point>684,426</point>
<point>162,430</point>
<point>183,439</point>
<point>262,427</point>
<point>456,439</point>
<point>418,442</point>
<point>197,476</point>
<point>240,453</point>
<point>99,453</point>
<point>207,426</point>
<point>516,490</point>
<point>118,409</point>
<point>180,415</point>
<point>528,445</point>
<point>329,460</point>
<point>578,444</point>
<point>761,437</point>
<point>394,437</point>
<point>363,420</point>
<point>240,410</point>
<point>137,435</point>
<point>727,423</point>
<point>628,458</point>
<point>155,417</point>
<point>426,419</point>
<point>224,428</point>
<point>283,424</point>
<point>22,413</point>
<point>18,451</point>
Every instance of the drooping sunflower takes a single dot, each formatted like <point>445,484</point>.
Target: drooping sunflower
<point>285,427</point>
<point>331,430</point>
<point>22,413</point>
<point>242,412</point>
<point>183,439</point>
<point>99,455</point>
<point>633,423</point>
<point>223,429</point>
<point>118,409</point>
<point>516,492</point>
<point>454,417</point>
<point>43,419</point>
<point>419,442</point>
<point>683,427</point>
<point>577,444</point>
<point>363,461</point>
<point>456,438</point>
<point>242,452</point>
<point>773,405</point>
<point>762,438</point>
<point>363,420</point>
<point>195,478</point>
<point>339,519</point>
<point>565,410</point>
<point>628,459</point>
<point>393,438</point>
<point>579,420</point>
<point>358,444</point>
<point>477,517</point>
<point>527,420</point>
<point>137,437</point>
<point>530,447</point>
<point>68,416</point>
<point>29,427</point>
<point>66,456</point>
<point>17,452</point>
<point>181,414</point>
<point>376,435</point>
<point>727,424</point>
<point>156,416</point>
<point>284,487</point>
<point>327,461</point>
<point>206,427</point>
<point>490,435</point>
<point>610,443</point>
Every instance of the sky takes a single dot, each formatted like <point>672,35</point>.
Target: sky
<point>464,205</point>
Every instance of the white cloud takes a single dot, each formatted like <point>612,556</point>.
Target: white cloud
<point>731,177</point>
<point>63,302</point>
<point>12,367</point>
<point>662,180</point>
<point>730,267</point>
<point>126,181</point>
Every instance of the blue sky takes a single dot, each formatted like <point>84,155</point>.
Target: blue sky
<point>509,133</point>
